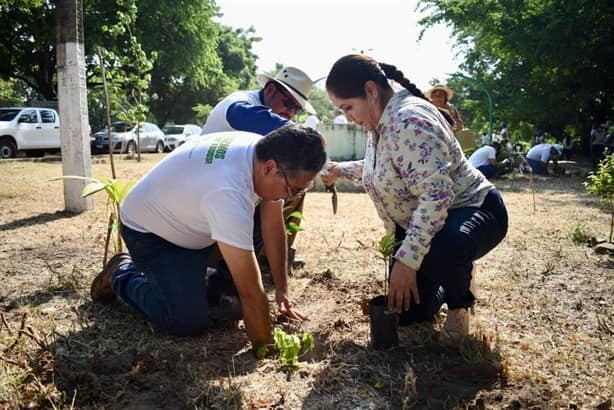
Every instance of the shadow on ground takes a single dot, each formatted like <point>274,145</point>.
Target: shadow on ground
<point>37,220</point>
<point>117,360</point>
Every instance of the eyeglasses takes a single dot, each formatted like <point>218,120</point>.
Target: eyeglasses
<point>288,100</point>
<point>292,192</point>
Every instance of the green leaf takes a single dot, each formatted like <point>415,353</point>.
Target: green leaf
<point>296,214</point>
<point>307,342</point>
<point>387,244</point>
<point>261,351</point>
<point>290,346</point>
<point>292,227</point>
<point>92,188</point>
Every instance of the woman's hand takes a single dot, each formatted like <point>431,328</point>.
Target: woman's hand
<point>286,308</point>
<point>331,174</point>
<point>403,287</point>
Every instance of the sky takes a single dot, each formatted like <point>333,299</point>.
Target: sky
<point>313,34</point>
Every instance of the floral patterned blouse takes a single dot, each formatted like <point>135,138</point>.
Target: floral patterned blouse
<point>414,170</point>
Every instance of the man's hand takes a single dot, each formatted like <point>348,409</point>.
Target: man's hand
<point>403,287</point>
<point>286,308</point>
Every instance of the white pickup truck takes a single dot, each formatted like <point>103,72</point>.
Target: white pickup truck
<point>29,129</point>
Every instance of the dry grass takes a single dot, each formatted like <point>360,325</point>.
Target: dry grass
<point>542,334</point>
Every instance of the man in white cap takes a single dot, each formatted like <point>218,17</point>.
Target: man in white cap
<point>262,111</point>
<point>539,156</point>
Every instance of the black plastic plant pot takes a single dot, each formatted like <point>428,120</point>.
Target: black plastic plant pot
<point>384,324</point>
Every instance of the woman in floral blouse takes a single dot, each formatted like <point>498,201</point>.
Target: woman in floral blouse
<point>444,212</point>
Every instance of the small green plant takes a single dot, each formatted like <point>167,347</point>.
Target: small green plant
<point>580,233</point>
<point>292,223</point>
<point>116,190</point>
<point>387,245</point>
<point>601,184</point>
<point>290,347</point>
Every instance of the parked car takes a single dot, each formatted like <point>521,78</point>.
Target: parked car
<point>124,138</point>
<point>29,129</point>
<point>175,135</point>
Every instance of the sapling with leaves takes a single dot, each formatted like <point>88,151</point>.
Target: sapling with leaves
<point>292,223</point>
<point>289,346</point>
<point>387,245</point>
<point>601,184</point>
<point>116,190</point>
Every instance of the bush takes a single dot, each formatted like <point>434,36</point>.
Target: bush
<point>601,184</point>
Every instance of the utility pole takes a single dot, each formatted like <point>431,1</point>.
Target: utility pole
<point>72,96</point>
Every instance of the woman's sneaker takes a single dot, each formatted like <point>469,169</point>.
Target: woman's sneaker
<point>101,286</point>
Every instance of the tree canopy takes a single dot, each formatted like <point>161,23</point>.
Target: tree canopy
<point>198,60</point>
<point>548,62</point>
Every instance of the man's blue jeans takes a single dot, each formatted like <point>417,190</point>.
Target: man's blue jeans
<point>445,273</point>
<point>536,166</point>
<point>489,171</point>
<point>165,282</point>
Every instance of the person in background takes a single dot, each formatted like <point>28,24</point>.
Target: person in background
<point>442,210</point>
<point>598,135</point>
<point>540,155</point>
<point>311,121</point>
<point>609,136</point>
<point>338,117</point>
<point>568,146</point>
<point>485,160</point>
<point>261,111</point>
<point>504,133</point>
<point>440,96</point>
<point>201,194</point>
<point>539,137</point>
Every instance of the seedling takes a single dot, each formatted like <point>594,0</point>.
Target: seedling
<point>601,184</point>
<point>290,347</point>
<point>116,190</point>
<point>292,226</point>
<point>387,245</point>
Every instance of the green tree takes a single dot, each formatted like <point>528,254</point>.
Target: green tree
<point>128,70</point>
<point>27,29</point>
<point>11,92</point>
<point>548,62</point>
<point>199,60</point>
<point>601,184</point>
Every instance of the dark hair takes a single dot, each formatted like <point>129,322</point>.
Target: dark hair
<point>294,147</point>
<point>349,74</point>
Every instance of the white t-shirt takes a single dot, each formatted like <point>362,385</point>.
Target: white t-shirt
<point>482,155</point>
<point>540,152</point>
<point>200,193</point>
<point>340,119</point>
<point>216,121</point>
<point>312,122</point>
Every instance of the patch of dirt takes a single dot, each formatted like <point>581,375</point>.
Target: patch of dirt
<point>542,334</point>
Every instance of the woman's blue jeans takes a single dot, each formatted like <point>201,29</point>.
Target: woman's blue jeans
<point>165,282</point>
<point>445,273</point>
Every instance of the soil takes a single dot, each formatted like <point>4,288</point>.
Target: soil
<point>542,325</point>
